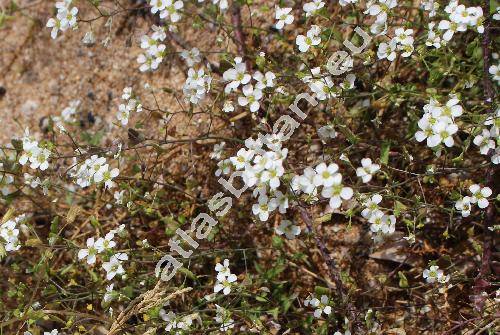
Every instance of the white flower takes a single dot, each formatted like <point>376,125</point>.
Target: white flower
<point>106,243</point>
<point>327,132</point>
<point>484,141</point>
<point>114,266</point>
<point>157,5</point>
<point>280,200</point>
<point>123,114</point>
<point>311,8</point>
<point>224,167</point>
<point>306,181</point>
<point>367,170</point>
<point>451,28</point>
<point>480,195</point>
<point>55,24</point>
<point>288,229</point>
<point>108,296</point>
<point>344,3</point>
<point>348,82</point>
<point>223,270</point>
<point>218,151</point>
<point>495,158</point>
<point>311,39</point>
<point>191,57</point>
<point>119,195</point>
<point>434,274</point>
<point>39,158</point>
<point>371,206</point>
<point>251,97</point>
<point>321,306</point>
<point>223,4</point>
<point>442,133</point>
<point>433,39</point>
<point>494,70</point>
<point>264,81</point>
<point>431,6</point>
<point>90,253</point>
<point>171,10</point>
<point>263,208</point>
<point>242,159</point>
<point>337,193</point>
<point>380,10</point>
<point>283,17</point>
<point>464,205</point>
<point>387,50</point>
<point>327,175</point>
<point>404,36</point>
<point>236,75</point>
<point>225,284</point>
<point>159,33</point>
<point>382,223</point>
<point>52,332</point>
<point>451,110</point>
<point>272,175</point>
<point>65,18</point>
<point>228,107</point>
<point>496,16</point>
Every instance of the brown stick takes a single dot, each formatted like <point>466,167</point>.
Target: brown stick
<point>489,219</point>
<point>334,273</point>
<point>239,34</point>
<point>489,95</point>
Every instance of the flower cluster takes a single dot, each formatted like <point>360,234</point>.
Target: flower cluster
<point>320,306</point>
<point>154,49</point>
<point>225,278</point>
<point>181,323</point>
<point>252,94</point>
<point>434,274</point>
<point>380,9</point>
<point>105,244</point>
<point>323,86</point>
<point>94,170</point>
<point>10,234</point>
<point>381,223</point>
<point>487,140</point>
<point>168,9</point>
<point>223,317</point>
<point>131,103</point>
<point>437,125</point>
<point>65,18</point>
<point>197,85</point>
<point>37,155</point>
<point>478,195</point>
<point>460,18</point>
<point>326,176</point>
<point>402,41</point>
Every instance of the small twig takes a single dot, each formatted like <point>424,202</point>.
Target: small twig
<point>333,271</point>
<point>239,34</point>
<point>489,96</point>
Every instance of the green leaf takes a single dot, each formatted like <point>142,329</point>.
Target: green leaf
<point>384,152</point>
<point>403,281</point>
